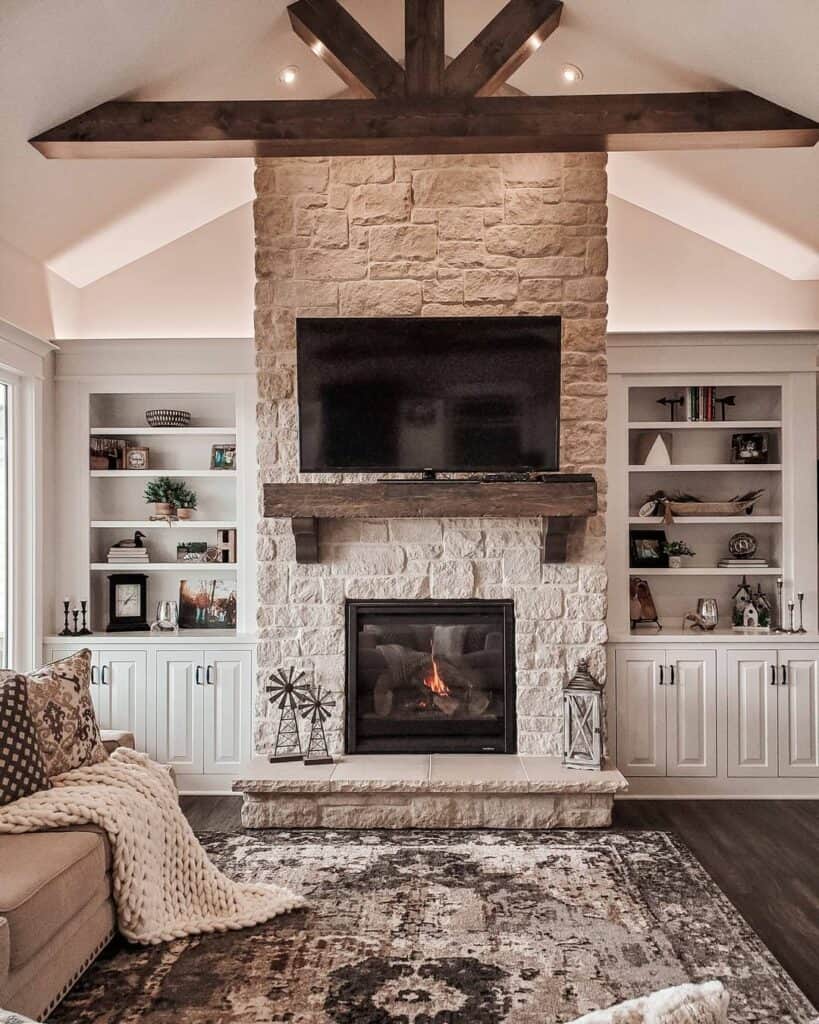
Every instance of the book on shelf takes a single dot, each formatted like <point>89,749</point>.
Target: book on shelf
<point>128,556</point>
<point>747,563</point>
<point>700,404</point>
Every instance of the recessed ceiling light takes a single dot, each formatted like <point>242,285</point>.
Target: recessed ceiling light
<point>571,73</point>
<point>288,75</point>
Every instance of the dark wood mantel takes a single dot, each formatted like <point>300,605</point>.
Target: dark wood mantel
<point>556,500</point>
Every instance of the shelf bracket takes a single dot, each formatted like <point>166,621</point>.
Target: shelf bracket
<point>555,531</point>
<point>305,533</point>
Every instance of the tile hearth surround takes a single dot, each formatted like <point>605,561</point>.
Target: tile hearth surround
<point>433,236</point>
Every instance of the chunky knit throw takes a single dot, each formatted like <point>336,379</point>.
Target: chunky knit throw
<point>164,885</point>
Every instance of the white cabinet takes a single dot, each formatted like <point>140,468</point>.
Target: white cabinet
<point>752,693</point>
<point>640,712</point>
<point>203,699</point>
<point>799,713</point>
<point>773,713</point>
<point>187,706</point>
<point>666,711</point>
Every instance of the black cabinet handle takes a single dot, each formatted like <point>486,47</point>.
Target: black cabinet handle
<point>102,674</point>
<point>198,675</point>
<point>671,669</point>
<point>784,675</point>
<point>94,680</point>
<point>773,675</point>
<point>662,673</point>
<point>209,675</point>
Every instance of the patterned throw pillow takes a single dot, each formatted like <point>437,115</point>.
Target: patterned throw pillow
<point>59,698</point>
<point>21,764</point>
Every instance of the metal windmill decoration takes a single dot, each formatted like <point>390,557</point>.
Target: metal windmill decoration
<point>286,693</point>
<point>317,706</point>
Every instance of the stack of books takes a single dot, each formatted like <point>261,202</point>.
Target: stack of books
<point>128,556</point>
<point>700,404</point>
<point>743,563</point>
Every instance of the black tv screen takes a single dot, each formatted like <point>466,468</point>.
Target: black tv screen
<point>471,394</point>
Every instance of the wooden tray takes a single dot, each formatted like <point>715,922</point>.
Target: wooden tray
<point>707,508</point>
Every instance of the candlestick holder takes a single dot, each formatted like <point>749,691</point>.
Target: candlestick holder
<point>75,613</point>
<point>801,599</point>
<point>85,631</point>
<point>779,628</point>
<point>790,618</point>
<point>65,631</point>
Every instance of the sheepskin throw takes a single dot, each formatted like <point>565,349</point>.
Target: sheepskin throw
<point>164,885</point>
<point>59,699</point>
<point>683,1004</point>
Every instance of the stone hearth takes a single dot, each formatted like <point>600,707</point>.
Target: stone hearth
<point>430,791</point>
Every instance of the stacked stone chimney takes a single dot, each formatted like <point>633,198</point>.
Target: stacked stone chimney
<point>434,236</point>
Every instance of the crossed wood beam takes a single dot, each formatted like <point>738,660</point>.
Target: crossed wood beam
<point>425,106</point>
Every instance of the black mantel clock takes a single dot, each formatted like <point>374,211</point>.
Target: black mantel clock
<point>127,603</point>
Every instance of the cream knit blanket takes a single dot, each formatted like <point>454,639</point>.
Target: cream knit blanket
<point>164,885</point>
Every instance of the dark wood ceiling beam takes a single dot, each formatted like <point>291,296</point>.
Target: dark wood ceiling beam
<point>424,46</point>
<point>496,124</point>
<point>340,41</point>
<point>499,49</point>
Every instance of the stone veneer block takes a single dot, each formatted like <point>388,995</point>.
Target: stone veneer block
<point>449,791</point>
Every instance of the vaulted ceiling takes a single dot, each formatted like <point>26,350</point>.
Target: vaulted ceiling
<point>85,219</point>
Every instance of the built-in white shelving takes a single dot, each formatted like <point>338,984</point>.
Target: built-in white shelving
<point>157,524</point>
<point>162,431</point>
<point>212,568</point>
<point>701,570</point>
<point>747,521</point>
<point>738,425</point>
<point>151,473</point>
<point>707,467</point>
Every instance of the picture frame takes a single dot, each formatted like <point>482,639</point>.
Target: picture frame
<point>207,604</point>
<point>136,457</point>
<point>191,551</point>
<point>646,549</point>
<point>749,449</point>
<point>223,456</point>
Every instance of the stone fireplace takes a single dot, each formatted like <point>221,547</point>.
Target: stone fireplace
<point>433,236</point>
<point>430,677</point>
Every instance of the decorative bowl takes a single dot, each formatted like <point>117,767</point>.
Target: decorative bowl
<point>168,418</point>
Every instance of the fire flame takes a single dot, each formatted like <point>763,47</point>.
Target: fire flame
<point>434,682</point>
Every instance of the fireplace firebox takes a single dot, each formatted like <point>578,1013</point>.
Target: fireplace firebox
<point>430,677</point>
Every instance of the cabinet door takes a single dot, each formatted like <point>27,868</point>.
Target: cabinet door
<point>227,677</point>
<point>751,687</point>
<point>640,712</point>
<point>798,712</point>
<point>123,683</point>
<point>691,712</point>
<point>180,685</point>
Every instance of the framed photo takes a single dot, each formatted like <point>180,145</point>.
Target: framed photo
<point>207,604</point>
<point>646,549</point>
<point>192,551</point>
<point>749,449</point>
<point>137,458</point>
<point>107,453</point>
<point>223,456</point>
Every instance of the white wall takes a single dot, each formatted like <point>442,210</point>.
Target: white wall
<point>201,285</point>
<point>665,278</point>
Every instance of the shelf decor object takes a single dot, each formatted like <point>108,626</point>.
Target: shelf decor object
<point>168,418</point>
<point>317,706</point>
<point>286,693</point>
<point>582,713</point>
<point>127,603</point>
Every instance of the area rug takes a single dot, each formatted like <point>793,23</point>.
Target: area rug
<point>447,928</point>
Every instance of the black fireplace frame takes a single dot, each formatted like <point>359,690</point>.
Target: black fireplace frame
<point>506,608</point>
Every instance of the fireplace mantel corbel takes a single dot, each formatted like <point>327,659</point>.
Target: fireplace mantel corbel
<point>556,500</point>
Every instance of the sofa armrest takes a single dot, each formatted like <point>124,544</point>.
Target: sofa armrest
<point>113,738</point>
<point>5,954</point>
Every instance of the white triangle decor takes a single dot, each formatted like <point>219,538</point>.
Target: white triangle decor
<point>658,453</point>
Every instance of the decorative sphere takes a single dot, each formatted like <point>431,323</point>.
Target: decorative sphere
<point>742,545</point>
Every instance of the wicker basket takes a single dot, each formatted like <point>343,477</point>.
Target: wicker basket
<point>682,509</point>
<point>168,418</point>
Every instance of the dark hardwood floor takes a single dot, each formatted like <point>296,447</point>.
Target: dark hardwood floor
<point>763,854</point>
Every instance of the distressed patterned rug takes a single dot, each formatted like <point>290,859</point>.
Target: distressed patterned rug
<point>447,928</point>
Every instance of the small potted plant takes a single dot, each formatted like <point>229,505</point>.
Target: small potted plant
<point>185,500</point>
<point>676,551</point>
<point>160,493</point>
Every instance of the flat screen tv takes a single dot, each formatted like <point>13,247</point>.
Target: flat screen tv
<point>447,394</point>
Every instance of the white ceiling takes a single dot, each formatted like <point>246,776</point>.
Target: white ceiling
<point>86,219</point>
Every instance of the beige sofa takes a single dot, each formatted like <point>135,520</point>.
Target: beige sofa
<point>56,909</point>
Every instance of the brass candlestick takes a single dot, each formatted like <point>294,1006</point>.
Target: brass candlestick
<point>801,599</point>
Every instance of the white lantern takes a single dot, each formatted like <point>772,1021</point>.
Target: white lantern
<point>582,716</point>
